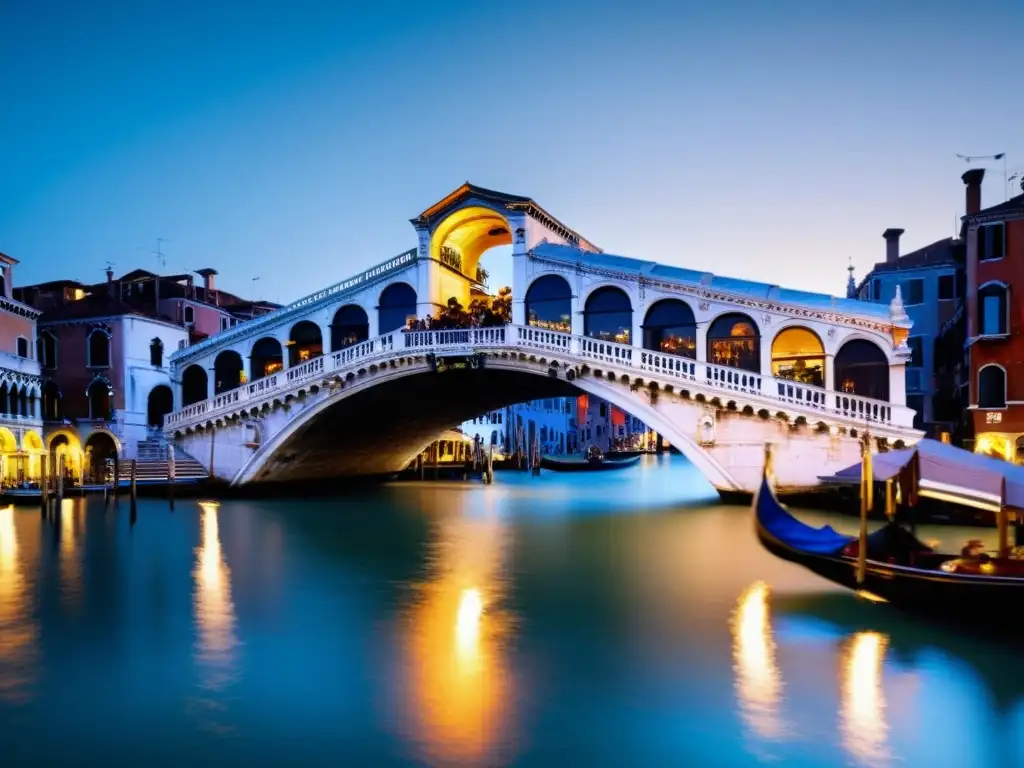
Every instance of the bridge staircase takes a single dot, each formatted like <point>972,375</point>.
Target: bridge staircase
<point>152,466</point>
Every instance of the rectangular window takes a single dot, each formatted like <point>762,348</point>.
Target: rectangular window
<point>917,351</point>
<point>947,287</point>
<point>604,410</point>
<point>991,242</point>
<point>223,323</point>
<point>876,289</point>
<point>913,291</point>
<point>22,347</point>
<point>993,314</point>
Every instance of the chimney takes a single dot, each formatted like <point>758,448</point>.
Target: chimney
<point>892,245</point>
<point>972,179</point>
<point>110,282</point>
<point>209,294</point>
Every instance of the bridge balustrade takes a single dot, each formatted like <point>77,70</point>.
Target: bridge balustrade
<point>470,340</point>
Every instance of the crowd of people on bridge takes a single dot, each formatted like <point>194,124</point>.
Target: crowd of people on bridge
<point>481,313</point>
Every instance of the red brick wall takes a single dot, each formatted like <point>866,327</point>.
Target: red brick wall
<point>1009,352</point>
<point>72,375</point>
<point>11,327</point>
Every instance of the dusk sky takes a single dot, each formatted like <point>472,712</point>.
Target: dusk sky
<point>293,141</point>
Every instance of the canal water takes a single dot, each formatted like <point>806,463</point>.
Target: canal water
<point>608,619</point>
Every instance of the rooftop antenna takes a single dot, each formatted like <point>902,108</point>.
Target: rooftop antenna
<point>1000,156</point>
<point>1018,175</point>
<point>252,299</point>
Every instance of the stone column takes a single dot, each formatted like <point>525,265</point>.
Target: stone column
<point>898,384</point>
<point>520,268</point>
<point>830,372</point>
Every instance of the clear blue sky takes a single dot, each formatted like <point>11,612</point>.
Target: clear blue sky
<point>293,141</point>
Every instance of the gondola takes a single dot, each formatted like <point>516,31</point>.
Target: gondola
<point>593,461</point>
<point>892,564</point>
<point>20,495</point>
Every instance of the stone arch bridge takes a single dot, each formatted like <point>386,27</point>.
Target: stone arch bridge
<point>345,382</point>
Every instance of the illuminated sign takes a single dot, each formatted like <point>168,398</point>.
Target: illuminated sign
<point>993,418</point>
<point>460,363</point>
<point>393,265</point>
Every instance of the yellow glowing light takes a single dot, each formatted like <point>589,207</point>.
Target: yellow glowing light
<point>467,626</point>
<point>470,231</point>
<point>758,680</point>
<point>993,444</point>
<point>870,596</point>
<point>17,630</point>
<point>214,609</point>
<point>862,718</point>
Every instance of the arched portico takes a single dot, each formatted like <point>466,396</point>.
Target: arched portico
<point>862,368</point>
<point>266,358</point>
<point>734,340</point>
<point>350,325</point>
<point>228,371</point>
<point>798,354</point>
<point>305,341</point>
<point>459,240</point>
<point>548,303</point>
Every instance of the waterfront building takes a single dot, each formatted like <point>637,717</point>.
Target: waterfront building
<point>931,281</point>
<point>995,279</point>
<point>21,445</point>
<point>563,425</point>
<point>103,353</point>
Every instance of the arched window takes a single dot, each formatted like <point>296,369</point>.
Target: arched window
<point>304,342</point>
<point>98,349</point>
<point>670,327</point>
<point>397,307</point>
<point>101,399</point>
<point>190,315</point>
<point>991,387</point>
<point>52,410</point>
<point>266,358</point>
<point>349,326</point>
<point>46,350</point>
<point>798,354</point>
<point>227,371</point>
<point>549,303</point>
<point>608,315</point>
<point>159,403</point>
<point>194,385</point>
<point>993,310</point>
<point>156,353</point>
<point>862,369</point>
<point>733,340</point>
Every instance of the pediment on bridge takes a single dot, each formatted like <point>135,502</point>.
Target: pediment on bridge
<point>471,196</point>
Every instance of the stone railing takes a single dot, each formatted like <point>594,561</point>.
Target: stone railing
<point>768,392</point>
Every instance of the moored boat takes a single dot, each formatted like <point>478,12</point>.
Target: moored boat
<point>892,563</point>
<point>592,461</point>
<point>20,495</point>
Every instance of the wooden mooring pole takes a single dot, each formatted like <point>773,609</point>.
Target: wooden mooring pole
<point>44,488</point>
<point>170,475</point>
<point>60,481</point>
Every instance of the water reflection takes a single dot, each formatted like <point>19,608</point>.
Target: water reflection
<point>862,716</point>
<point>457,684</point>
<point>216,642</point>
<point>758,680</point>
<point>70,522</point>
<point>17,630</point>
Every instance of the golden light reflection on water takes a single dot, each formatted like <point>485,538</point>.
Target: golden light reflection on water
<point>17,630</point>
<point>217,642</point>
<point>758,680</point>
<point>862,714</point>
<point>457,686</point>
<point>71,522</point>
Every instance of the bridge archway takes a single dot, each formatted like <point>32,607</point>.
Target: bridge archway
<point>265,358</point>
<point>670,327</point>
<point>608,315</point>
<point>862,369</point>
<point>227,371</point>
<point>346,433</point>
<point>397,306</point>
<point>159,403</point>
<point>799,354</point>
<point>462,237</point>
<point>305,341</point>
<point>349,326</point>
<point>548,303</point>
<point>194,385</point>
<point>734,340</point>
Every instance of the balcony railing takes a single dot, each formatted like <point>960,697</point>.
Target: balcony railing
<point>769,392</point>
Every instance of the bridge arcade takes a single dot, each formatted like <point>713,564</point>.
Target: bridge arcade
<point>822,350</point>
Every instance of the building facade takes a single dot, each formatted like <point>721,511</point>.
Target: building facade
<point>21,426</point>
<point>994,317</point>
<point>931,281</point>
<point>562,425</point>
<point>103,352</point>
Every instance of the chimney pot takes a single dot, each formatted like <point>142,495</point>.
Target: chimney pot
<point>892,245</point>
<point>972,180</point>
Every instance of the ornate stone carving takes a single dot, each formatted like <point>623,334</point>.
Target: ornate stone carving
<point>704,306</point>
<point>520,235</point>
<point>766,320</point>
<point>831,333</point>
